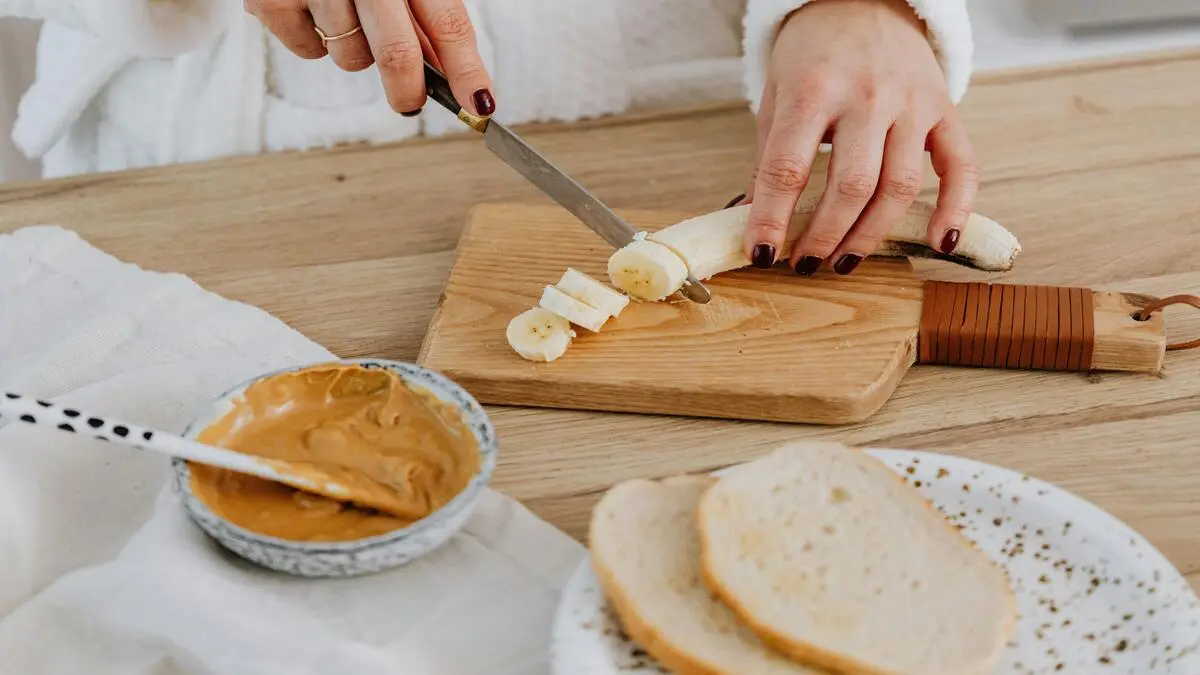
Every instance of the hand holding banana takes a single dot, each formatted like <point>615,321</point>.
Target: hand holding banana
<point>654,267</point>
<point>861,75</point>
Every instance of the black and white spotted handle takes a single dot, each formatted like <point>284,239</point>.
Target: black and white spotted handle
<point>15,407</point>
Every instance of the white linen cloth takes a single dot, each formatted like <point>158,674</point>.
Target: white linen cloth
<point>101,571</point>
<point>133,83</point>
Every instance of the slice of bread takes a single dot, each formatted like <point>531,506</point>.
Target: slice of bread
<point>647,559</point>
<point>830,558</point>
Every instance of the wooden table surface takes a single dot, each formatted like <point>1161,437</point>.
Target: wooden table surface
<point>1096,167</point>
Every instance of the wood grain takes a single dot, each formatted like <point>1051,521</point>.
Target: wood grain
<point>769,346</point>
<point>1093,166</point>
<point>1122,342</point>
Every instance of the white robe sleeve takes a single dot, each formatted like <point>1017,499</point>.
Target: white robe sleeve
<point>150,28</point>
<point>947,27</point>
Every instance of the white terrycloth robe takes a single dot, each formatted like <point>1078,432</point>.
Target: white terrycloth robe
<point>133,83</point>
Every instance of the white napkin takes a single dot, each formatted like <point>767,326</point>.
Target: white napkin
<point>101,571</point>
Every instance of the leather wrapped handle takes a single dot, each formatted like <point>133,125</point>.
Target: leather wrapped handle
<point>1038,328</point>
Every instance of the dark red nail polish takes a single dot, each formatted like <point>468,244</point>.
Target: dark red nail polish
<point>484,103</point>
<point>763,256</point>
<point>847,263</point>
<point>949,241</point>
<point>808,265</point>
<point>735,201</point>
<point>411,113</point>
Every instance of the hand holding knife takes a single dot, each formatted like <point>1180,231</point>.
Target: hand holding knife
<point>510,148</point>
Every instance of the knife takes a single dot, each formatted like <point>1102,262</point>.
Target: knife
<point>548,178</point>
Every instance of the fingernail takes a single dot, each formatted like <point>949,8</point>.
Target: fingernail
<point>949,241</point>
<point>411,113</point>
<point>484,103</point>
<point>808,265</point>
<point>736,200</point>
<point>847,263</point>
<point>763,256</point>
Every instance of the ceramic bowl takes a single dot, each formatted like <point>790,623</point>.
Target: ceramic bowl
<point>361,556</point>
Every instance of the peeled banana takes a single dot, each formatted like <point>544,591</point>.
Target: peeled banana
<point>710,244</point>
<point>539,335</point>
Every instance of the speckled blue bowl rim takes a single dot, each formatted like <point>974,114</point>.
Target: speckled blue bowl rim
<point>439,385</point>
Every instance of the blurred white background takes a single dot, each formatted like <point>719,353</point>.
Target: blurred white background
<point>1005,36</point>
<point>18,39</point>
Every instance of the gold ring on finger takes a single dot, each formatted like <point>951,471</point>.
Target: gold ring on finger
<point>326,39</point>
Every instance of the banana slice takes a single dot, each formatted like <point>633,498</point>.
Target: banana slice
<point>591,292</point>
<point>572,310</point>
<point>647,270</point>
<point>539,335</point>
<point>712,243</point>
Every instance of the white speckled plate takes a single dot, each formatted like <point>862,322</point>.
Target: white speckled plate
<point>1094,596</point>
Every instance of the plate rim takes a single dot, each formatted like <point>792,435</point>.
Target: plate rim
<point>1074,505</point>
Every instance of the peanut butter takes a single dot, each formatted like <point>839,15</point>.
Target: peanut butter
<point>364,425</point>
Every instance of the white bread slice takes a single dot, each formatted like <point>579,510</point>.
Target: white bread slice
<point>646,557</point>
<point>832,559</point>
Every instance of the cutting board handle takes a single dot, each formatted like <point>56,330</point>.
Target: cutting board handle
<point>1043,328</point>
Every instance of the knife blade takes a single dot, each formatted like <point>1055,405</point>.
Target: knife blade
<point>556,184</point>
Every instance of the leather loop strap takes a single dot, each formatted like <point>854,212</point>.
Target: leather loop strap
<point>1009,326</point>
<point>1156,305</point>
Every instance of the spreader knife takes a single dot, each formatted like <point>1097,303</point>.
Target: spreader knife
<point>548,178</point>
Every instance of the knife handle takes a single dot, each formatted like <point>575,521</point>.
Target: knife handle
<point>438,89</point>
<point>1038,328</point>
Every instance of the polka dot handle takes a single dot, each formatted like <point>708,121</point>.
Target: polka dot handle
<point>38,412</point>
<point>44,413</point>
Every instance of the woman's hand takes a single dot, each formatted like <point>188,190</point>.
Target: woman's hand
<point>861,75</point>
<point>398,35</point>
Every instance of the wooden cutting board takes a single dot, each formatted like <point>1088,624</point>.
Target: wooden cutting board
<point>769,346</point>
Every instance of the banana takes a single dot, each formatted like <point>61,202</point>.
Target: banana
<point>591,292</point>
<point>983,244</point>
<point>710,244</point>
<point>544,332</point>
<point>539,335</point>
<point>647,270</point>
<point>707,244</point>
<point>571,309</point>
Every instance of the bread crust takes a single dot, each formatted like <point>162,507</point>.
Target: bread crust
<point>646,636</point>
<point>635,625</point>
<point>632,622</point>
